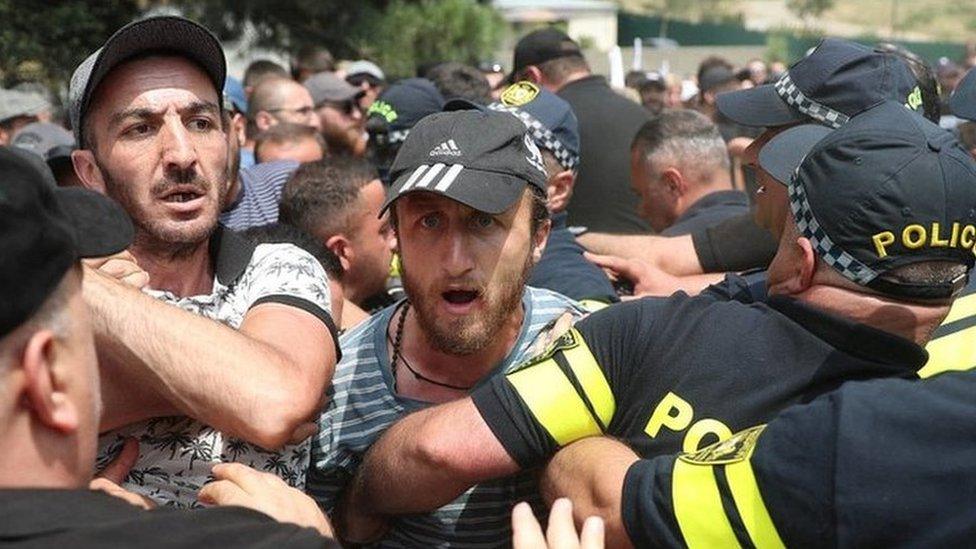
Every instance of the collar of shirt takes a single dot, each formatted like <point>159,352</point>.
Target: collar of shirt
<point>29,512</point>
<point>710,200</point>
<point>851,337</point>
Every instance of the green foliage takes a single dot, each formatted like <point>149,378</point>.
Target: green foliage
<point>408,34</point>
<point>52,38</point>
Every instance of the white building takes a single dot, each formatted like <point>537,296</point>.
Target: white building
<point>592,23</point>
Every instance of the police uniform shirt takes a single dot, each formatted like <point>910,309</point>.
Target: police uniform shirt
<point>876,464</point>
<point>678,373</point>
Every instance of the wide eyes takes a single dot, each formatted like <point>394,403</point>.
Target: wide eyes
<point>431,221</point>
<point>481,220</point>
<point>478,221</point>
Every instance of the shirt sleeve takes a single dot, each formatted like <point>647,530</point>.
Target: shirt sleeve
<point>736,244</point>
<point>566,393</point>
<point>764,485</point>
<point>288,275</point>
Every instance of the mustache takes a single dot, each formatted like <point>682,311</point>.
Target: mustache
<point>181,178</point>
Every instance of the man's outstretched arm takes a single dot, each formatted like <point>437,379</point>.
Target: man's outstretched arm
<point>259,384</point>
<point>591,472</point>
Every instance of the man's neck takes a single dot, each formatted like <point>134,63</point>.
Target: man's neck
<point>457,370</point>
<point>578,75</point>
<point>183,274</point>
<point>693,195</point>
<point>911,321</point>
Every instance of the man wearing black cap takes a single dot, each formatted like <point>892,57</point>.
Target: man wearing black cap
<point>603,201</point>
<point>468,208</point>
<point>866,269</point>
<point>238,377</point>
<point>50,393</point>
<point>390,118</point>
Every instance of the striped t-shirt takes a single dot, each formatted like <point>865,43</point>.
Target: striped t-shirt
<point>362,405</point>
<point>260,193</point>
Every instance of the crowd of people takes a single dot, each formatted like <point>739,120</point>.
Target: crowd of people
<point>315,306</point>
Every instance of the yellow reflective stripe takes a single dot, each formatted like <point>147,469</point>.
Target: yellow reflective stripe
<point>961,308</point>
<point>593,305</point>
<point>554,402</point>
<point>953,352</point>
<point>698,507</point>
<point>749,502</point>
<point>591,379</point>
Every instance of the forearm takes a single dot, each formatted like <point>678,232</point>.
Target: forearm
<point>428,459</point>
<point>591,472</point>
<point>630,246</point>
<point>674,255</point>
<point>234,383</point>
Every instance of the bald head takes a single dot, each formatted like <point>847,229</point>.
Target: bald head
<point>276,100</point>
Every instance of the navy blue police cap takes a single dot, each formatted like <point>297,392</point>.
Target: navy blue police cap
<point>403,104</point>
<point>835,82</point>
<point>480,158</point>
<point>887,189</point>
<point>550,120</point>
<point>963,100</point>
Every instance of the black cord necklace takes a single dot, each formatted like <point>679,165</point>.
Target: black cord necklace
<point>398,356</point>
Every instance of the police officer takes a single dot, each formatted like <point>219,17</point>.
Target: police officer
<point>879,241</point>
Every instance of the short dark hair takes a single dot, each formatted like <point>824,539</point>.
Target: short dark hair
<point>928,82</point>
<point>685,135</point>
<point>286,133</point>
<point>261,69</point>
<point>459,81</point>
<point>321,196</point>
<point>559,69</point>
<point>311,59</point>
<point>283,233</point>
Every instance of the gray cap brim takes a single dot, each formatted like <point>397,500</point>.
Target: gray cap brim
<point>166,35</point>
<point>963,100</point>
<point>784,153</point>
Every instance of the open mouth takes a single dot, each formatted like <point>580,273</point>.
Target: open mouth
<point>460,297</point>
<point>181,195</point>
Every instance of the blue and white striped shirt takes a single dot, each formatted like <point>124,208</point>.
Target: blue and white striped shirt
<point>362,405</point>
<point>260,193</point>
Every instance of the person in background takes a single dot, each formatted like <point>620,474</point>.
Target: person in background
<point>277,100</point>
<point>18,109</point>
<point>53,144</point>
<point>679,167</point>
<point>368,77</point>
<point>309,60</point>
<point>340,118</point>
<point>494,73</point>
<point>459,81</point>
<point>286,141</point>
<point>390,118</point>
<point>653,92</point>
<point>259,70</point>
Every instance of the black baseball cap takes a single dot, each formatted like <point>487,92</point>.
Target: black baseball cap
<point>543,45</point>
<point>43,231</point>
<point>887,189</point>
<point>482,159</point>
<point>963,100</point>
<point>836,81</point>
<point>404,104</point>
<point>166,35</point>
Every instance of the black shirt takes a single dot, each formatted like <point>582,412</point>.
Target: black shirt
<point>84,518</point>
<point>708,211</point>
<point>603,200</point>
<point>563,268</point>
<point>736,244</point>
<point>884,463</point>
<point>678,373</point>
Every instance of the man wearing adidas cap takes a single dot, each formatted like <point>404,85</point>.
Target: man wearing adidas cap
<point>847,301</point>
<point>468,207</point>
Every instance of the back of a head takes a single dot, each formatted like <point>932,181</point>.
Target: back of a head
<point>459,81</point>
<point>286,134</point>
<point>685,138</point>
<point>321,197</point>
<point>261,69</point>
<point>928,83</point>
<point>283,233</point>
<point>311,60</point>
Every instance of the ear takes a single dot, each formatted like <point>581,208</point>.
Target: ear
<point>44,386</point>
<point>339,245</point>
<point>263,120</point>
<point>4,137</point>
<point>539,240</point>
<point>559,190</point>
<point>238,126</point>
<point>532,74</point>
<point>808,265</point>
<point>87,170</point>
<point>797,262</point>
<point>674,181</point>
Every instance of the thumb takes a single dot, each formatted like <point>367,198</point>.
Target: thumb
<point>625,268</point>
<point>119,468</point>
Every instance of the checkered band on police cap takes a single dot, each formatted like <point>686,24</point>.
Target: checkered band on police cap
<point>788,91</point>
<point>831,253</point>
<point>398,136</point>
<point>542,136</point>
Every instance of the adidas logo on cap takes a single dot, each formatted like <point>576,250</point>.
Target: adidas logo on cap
<point>447,148</point>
